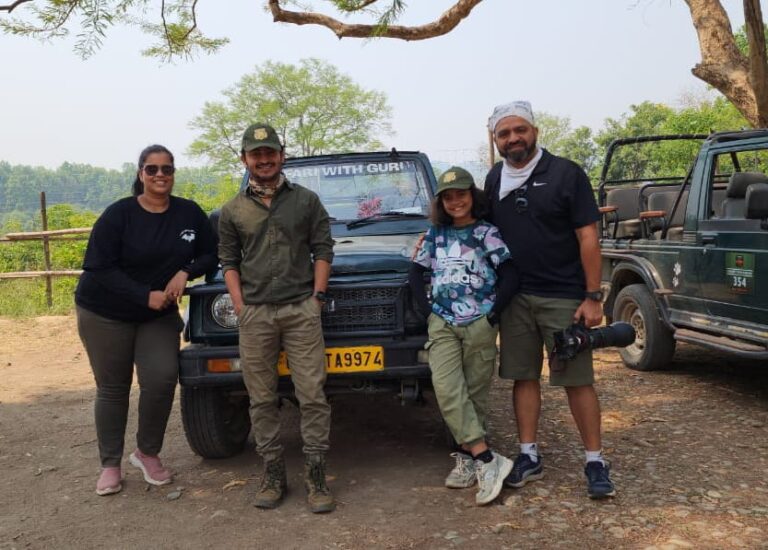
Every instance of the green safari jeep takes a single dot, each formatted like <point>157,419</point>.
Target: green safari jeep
<point>684,253</point>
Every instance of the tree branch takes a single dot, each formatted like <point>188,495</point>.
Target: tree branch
<point>165,25</point>
<point>193,11</point>
<point>443,25</point>
<point>10,7</point>
<point>758,64</point>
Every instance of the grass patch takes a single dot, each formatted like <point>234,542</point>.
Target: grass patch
<point>26,297</point>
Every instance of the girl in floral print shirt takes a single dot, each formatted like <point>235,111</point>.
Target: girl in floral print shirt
<point>472,279</point>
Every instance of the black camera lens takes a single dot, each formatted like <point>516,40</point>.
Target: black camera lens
<point>573,340</point>
<point>617,335</point>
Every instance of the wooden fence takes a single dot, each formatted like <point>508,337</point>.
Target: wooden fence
<point>46,237</point>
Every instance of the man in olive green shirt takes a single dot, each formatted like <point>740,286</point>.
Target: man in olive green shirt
<point>276,250</point>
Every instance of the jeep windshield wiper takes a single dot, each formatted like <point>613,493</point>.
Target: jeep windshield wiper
<point>377,217</point>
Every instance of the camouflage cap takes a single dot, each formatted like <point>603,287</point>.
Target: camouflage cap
<point>261,135</point>
<point>454,178</point>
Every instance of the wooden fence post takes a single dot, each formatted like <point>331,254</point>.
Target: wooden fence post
<point>46,251</point>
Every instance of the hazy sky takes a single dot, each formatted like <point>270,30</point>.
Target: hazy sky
<point>585,60</point>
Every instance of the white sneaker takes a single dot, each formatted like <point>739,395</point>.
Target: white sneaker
<point>463,474</point>
<point>490,477</point>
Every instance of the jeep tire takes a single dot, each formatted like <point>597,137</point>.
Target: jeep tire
<point>654,343</point>
<point>216,423</point>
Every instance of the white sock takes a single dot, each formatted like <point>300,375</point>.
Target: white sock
<point>531,450</point>
<point>594,456</point>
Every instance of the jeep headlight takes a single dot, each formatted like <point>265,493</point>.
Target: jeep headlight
<point>223,311</point>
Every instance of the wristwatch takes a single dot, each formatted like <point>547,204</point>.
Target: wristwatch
<point>596,296</point>
<point>320,296</point>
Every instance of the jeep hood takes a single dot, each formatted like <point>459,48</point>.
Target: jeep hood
<point>373,254</point>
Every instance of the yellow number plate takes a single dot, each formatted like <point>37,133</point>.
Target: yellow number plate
<point>357,359</point>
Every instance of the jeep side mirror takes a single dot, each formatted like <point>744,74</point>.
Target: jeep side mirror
<point>756,201</point>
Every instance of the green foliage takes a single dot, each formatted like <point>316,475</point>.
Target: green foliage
<point>26,297</point>
<point>84,186</point>
<point>180,38</point>
<point>312,106</point>
<point>741,39</point>
<point>557,136</point>
<point>209,197</point>
<point>173,26</point>
<point>670,159</point>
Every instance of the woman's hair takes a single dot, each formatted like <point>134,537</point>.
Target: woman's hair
<point>138,187</point>
<point>479,207</point>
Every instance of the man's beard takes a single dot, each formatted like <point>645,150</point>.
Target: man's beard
<point>519,155</point>
<point>268,181</point>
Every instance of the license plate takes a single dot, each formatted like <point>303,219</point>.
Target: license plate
<point>338,360</point>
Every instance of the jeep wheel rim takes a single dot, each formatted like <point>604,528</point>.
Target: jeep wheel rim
<point>632,315</point>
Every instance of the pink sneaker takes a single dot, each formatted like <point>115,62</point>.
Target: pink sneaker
<point>154,471</point>
<point>110,481</point>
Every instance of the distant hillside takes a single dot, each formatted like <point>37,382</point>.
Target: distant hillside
<point>82,185</point>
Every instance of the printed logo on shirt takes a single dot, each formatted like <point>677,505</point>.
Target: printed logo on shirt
<point>539,183</point>
<point>453,257</point>
<point>456,266</point>
<point>187,235</point>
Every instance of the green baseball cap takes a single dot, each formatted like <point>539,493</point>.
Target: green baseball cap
<point>261,135</point>
<point>454,178</point>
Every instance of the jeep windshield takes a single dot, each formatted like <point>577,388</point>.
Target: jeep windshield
<point>362,192</point>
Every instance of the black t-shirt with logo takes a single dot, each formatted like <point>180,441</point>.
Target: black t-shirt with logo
<point>132,251</point>
<point>542,237</point>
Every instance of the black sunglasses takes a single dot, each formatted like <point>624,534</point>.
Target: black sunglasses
<point>153,169</point>
<point>521,202</point>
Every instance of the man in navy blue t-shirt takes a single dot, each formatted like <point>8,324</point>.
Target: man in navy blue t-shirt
<point>546,212</point>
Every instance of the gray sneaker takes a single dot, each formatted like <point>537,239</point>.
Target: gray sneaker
<point>490,477</point>
<point>463,474</point>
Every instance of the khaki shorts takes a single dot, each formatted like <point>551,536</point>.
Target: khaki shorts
<point>526,326</point>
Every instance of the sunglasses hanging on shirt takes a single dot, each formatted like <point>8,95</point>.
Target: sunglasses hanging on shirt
<point>521,201</point>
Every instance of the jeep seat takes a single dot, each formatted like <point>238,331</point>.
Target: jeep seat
<point>664,201</point>
<point>735,193</point>
<point>621,213</point>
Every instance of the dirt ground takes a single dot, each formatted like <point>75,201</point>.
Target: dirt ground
<point>688,448</point>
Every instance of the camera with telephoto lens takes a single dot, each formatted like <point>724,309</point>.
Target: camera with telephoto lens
<point>571,341</point>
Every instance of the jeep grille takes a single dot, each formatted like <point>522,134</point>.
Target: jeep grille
<point>362,310</point>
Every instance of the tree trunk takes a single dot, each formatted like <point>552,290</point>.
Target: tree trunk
<point>741,80</point>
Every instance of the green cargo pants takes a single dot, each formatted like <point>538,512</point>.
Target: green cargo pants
<point>462,360</point>
<point>295,327</point>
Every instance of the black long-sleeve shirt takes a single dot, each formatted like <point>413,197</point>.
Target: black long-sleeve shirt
<point>132,252</point>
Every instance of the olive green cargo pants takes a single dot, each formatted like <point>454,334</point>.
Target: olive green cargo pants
<point>462,360</point>
<point>296,328</point>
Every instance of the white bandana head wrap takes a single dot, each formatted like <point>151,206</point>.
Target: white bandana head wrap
<point>522,109</point>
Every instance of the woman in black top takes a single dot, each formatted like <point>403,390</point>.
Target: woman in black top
<point>141,252</point>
